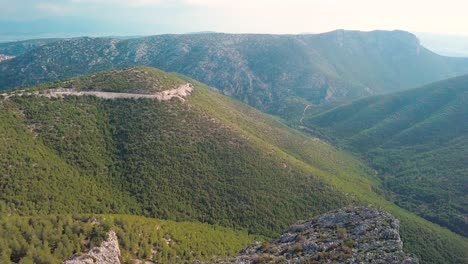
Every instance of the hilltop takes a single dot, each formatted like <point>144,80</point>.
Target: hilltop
<point>206,158</point>
<point>138,80</point>
<point>279,74</point>
<point>130,83</point>
<point>416,140</point>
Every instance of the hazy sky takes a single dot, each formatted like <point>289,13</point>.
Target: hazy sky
<point>139,17</point>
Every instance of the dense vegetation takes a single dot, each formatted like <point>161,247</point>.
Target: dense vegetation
<point>129,80</point>
<point>17,48</point>
<point>51,239</point>
<point>153,153</point>
<point>417,140</point>
<point>208,159</point>
<point>280,74</point>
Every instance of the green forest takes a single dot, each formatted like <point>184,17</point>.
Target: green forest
<point>416,140</point>
<point>209,159</point>
<point>52,239</point>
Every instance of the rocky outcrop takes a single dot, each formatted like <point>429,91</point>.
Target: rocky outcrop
<point>107,253</point>
<point>349,235</point>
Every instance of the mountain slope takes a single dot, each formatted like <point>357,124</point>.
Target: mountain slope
<point>204,158</point>
<point>153,153</point>
<point>417,140</point>
<point>280,74</point>
<point>16,48</point>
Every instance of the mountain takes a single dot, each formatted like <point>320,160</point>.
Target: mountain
<point>279,74</point>
<point>69,148</point>
<point>416,140</point>
<point>16,48</point>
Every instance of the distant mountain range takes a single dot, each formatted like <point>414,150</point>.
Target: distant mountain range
<point>279,74</point>
<point>418,142</point>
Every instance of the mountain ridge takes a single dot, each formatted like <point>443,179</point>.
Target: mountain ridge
<point>279,74</point>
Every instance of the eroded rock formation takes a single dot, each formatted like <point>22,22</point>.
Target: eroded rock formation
<point>349,235</point>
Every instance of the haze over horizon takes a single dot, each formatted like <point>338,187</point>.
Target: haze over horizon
<point>71,18</point>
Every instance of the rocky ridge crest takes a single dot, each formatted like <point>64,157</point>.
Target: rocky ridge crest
<point>349,235</point>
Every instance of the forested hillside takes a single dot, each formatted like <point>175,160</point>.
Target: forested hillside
<point>417,141</point>
<point>52,239</point>
<point>202,158</point>
<point>280,74</point>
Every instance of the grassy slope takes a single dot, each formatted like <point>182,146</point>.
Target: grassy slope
<point>417,141</point>
<point>212,159</point>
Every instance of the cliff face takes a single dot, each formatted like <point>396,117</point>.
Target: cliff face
<point>349,235</point>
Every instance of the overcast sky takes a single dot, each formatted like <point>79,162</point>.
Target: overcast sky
<point>143,17</point>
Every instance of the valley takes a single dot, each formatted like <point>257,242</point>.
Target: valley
<point>416,140</point>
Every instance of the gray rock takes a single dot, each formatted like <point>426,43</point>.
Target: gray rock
<point>287,237</point>
<point>310,247</point>
<point>107,253</point>
<point>349,235</point>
